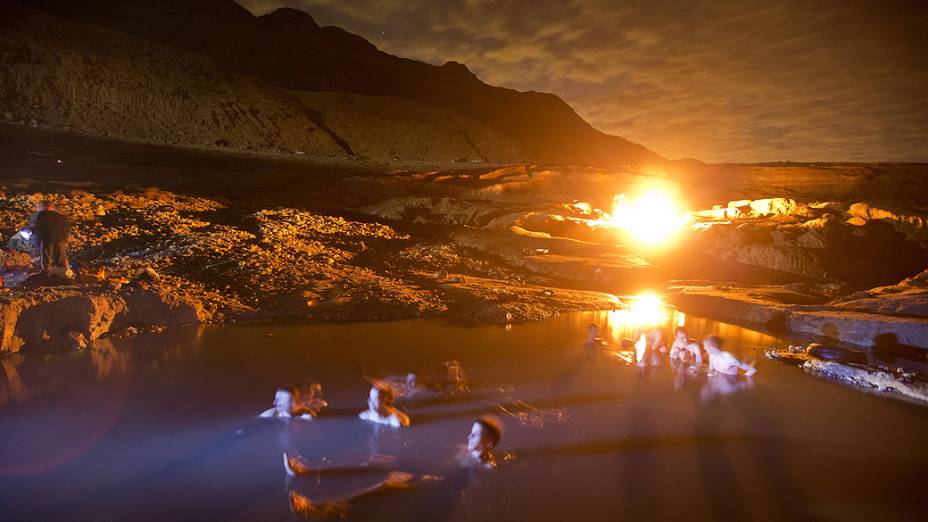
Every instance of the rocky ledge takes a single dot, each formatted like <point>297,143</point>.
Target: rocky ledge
<point>896,382</point>
<point>71,317</point>
<point>893,314</point>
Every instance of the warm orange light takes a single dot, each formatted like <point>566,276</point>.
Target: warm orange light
<point>647,310</point>
<point>651,218</point>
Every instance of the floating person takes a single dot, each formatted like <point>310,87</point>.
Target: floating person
<point>406,386</point>
<point>484,435</point>
<point>455,378</point>
<point>724,362</point>
<point>684,347</point>
<point>301,504</point>
<point>442,379</point>
<point>380,408</point>
<point>297,401</point>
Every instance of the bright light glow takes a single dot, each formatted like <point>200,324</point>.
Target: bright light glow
<point>25,233</point>
<point>647,310</point>
<point>641,347</point>
<point>650,218</point>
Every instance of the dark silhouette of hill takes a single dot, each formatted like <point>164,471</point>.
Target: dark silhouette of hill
<point>288,49</point>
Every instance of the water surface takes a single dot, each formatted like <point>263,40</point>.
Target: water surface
<point>163,427</point>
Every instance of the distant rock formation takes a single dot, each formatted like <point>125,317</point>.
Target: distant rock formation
<point>288,50</point>
<point>71,76</point>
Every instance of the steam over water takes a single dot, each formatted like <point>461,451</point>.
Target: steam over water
<point>163,427</point>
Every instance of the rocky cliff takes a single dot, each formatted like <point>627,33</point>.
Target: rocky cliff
<point>288,50</point>
<point>66,75</point>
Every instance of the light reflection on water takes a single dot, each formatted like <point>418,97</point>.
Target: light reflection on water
<point>163,427</point>
<point>626,324</point>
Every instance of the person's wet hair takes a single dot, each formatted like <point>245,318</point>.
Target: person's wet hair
<point>714,340</point>
<point>304,397</point>
<point>387,395</point>
<point>678,330</point>
<point>292,389</point>
<point>493,427</point>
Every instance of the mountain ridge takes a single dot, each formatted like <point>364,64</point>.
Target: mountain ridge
<point>288,49</point>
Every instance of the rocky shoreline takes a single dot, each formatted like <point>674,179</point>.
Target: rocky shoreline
<point>205,237</point>
<point>154,258</point>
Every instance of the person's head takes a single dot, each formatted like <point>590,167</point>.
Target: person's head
<point>592,332</point>
<point>412,381</point>
<point>43,205</point>
<point>484,434</point>
<point>284,399</point>
<point>380,398</point>
<point>712,344</point>
<point>680,333</point>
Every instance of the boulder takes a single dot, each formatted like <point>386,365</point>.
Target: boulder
<point>147,306</point>
<point>69,321</point>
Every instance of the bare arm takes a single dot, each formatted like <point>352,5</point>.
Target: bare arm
<point>303,505</point>
<point>297,465</point>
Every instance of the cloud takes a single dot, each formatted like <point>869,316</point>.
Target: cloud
<point>718,81</point>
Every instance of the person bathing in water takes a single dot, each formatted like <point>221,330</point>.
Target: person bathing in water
<point>683,347</point>
<point>301,504</point>
<point>656,340</point>
<point>380,408</point>
<point>592,337</point>
<point>724,362</point>
<point>296,401</point>
<point>484,435</point>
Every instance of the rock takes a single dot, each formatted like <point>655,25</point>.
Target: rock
<point>913,224</point>
<point>811,239</point>
<point>778,206</point>
<point>900,384</point>
<point>854,328</point>
<point>908,298</point>
<point>62,320</point>
<point>730,305</point>
<point>162,306</point>
<point>149,274</point>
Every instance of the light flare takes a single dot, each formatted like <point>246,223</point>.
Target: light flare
<point>651,218</point>
<point>647,310</point>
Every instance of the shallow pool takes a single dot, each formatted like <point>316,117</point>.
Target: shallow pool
<point>163,427</point>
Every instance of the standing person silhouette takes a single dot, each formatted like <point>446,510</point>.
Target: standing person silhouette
<point>50,231</point>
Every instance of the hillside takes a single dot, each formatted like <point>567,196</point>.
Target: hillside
<point>71,76</point>
<point>287,49</point>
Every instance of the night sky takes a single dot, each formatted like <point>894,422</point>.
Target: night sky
<point>718,81</point>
